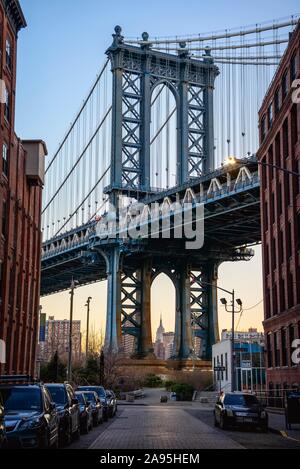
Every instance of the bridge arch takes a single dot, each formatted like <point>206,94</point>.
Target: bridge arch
<point>163,134</point>
<point>163,312</point>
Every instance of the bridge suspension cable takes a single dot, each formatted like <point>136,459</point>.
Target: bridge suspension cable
<point>79,170</point>
<point>258,28</point>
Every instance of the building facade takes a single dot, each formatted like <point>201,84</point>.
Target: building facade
<point>21,180</point>
<point>250,336</point>
<point>57,340</point>
<point>279,120</point>
<point>249,366</point>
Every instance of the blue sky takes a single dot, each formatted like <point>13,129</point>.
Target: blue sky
<point>60,53</point>
<point>62,49</point>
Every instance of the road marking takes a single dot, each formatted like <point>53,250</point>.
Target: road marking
<point>285,435</point>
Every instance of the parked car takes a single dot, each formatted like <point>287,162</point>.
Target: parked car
<point>112,402</point>
<point>100,391</point>
<point>97,409</point>
<point>3,439</point>
<point>31,419</point>
<point>86,412</point>
<point>68,411</point>
<point>238,409</point>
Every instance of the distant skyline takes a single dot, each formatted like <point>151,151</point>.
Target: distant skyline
<point>59,55</point>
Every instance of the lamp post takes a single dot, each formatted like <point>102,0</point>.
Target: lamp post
<point>87,326</point>
<point>232,160</point>
<point>233,312</point>
<point>73,286</point>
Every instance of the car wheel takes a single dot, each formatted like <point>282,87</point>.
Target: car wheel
<point>77,433</point>
<point>55,444</point>
<point>264,427</point>
<point>85,427</point>
<point>45,441</point>
<point>68,436</point>
<point>223,423</point>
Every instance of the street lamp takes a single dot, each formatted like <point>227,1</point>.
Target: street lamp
<point>87,326</point>
<point>73,286</point>
<point>232,160</point>
<point>233,312</point>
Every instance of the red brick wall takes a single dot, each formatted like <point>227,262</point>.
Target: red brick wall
<point>20,247</point>
<point>280,208</point>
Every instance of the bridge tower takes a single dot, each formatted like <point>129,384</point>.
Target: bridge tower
<point>136,71</point>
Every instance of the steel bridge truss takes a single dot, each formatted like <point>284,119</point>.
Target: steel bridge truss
<point>136,72</point>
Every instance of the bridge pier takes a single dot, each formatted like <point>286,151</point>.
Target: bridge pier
<point>113,339</point>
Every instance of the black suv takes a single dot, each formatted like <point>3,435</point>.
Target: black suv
<point>237,409</point>
<point>30,415</point>
<point>2,426</point>
<point>100,391</point>
<point>68,411</point>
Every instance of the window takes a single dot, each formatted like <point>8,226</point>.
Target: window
<point>298,233</point>
<point>4,218</point>
<point>284,85</point>
<point>277,349</point>
<point>269,351</point>
<point>291,338</point>
<point>270,115</point>
<point>7,105</point>
<point>5,159</point>
<point>279,199</point>
<point>276,101</point>
<point>289,240</point>
<point>293,67</point>
<point>8,54</point>
<point>285,139</point>
<point>294,126</point>
<point>263,128</point>
<point>280,247</point>
<point>283,347</point>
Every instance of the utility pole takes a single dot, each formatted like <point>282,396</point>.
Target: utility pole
<point>73,286</point>
<point>87,327</point>
<point>233,312</point>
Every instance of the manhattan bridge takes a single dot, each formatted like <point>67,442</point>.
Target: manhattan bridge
<point>159,121</point>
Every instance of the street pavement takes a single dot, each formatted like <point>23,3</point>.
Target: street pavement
<point>161,428</point>
<point>148,424</point>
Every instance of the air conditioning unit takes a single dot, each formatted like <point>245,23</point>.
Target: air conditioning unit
<point>36,151</point>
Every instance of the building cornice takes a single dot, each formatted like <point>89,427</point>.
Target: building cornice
<point>15,14</point>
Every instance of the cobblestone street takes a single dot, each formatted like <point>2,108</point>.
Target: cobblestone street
<point>153,427</point>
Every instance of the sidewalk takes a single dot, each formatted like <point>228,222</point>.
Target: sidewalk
<point>277,425</point>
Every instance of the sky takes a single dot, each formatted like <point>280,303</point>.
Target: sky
<point>59,55</point>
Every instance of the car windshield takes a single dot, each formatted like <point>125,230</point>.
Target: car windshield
<point>240,399</point>
<point>80,398</point>
<point>98,389</point>
<point>21,398</point>
<point>90,396</point>
<point>58,394</point>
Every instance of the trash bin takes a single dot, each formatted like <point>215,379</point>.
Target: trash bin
<point>292,409</point>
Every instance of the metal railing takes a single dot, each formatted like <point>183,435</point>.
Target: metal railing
<point>274,398</point>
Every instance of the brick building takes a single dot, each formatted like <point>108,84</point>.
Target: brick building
<point>21,179</point>
<point>279,119</point>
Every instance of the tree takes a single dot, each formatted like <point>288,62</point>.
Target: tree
<point>54,371</point>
